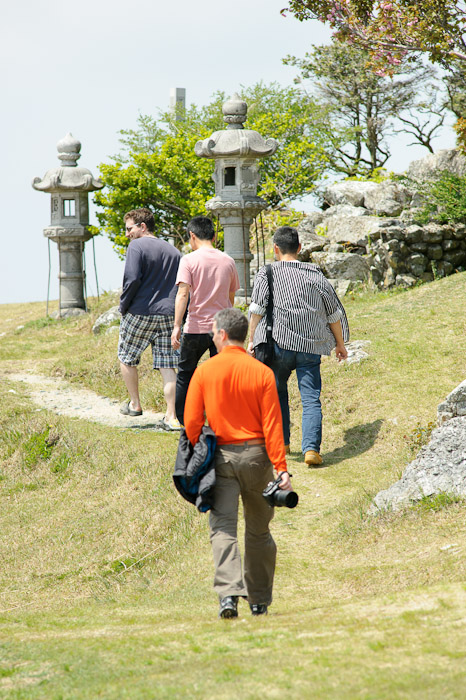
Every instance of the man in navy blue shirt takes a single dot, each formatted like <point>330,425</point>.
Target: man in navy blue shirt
<point>147,304</point>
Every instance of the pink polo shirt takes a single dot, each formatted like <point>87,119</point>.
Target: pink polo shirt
<point>211,276</point>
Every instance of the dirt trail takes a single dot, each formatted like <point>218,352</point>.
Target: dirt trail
<point>59,396</point>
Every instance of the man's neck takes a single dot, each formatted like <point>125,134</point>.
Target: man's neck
<point>287,256</point>
<point>204,244</point>
<point>233,344</point>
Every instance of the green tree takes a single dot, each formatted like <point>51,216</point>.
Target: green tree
<point>364,107</point>
<point>392,30</point>
<point>157,166</point>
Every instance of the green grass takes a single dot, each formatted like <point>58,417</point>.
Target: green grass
<point>106,573</point>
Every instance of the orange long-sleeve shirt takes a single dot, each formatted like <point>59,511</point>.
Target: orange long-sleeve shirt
<point>239,397</point>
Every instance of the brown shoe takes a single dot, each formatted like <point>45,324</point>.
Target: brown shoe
<point>287,449</point>
<point>312,458</point>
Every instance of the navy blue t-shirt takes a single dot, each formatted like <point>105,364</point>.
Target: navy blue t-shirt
<point>149,278</point>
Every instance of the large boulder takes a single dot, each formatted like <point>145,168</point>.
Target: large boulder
<point>429,167</point>
<point>342,266</point>
<point>351,192</point>
<point>387,199</point>
<point>356,230</point>
<point>440,467</point>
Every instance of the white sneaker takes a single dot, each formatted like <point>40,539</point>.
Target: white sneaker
<point>172,424</point>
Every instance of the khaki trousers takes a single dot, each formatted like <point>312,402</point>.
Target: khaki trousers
<point>242,470</point>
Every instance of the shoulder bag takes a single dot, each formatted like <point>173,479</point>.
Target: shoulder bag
<point>264,352</point>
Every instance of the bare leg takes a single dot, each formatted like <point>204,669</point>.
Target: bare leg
<point>169,388</point>
<point>130,376</point>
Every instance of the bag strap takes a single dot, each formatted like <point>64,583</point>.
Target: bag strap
<point>269,321</point>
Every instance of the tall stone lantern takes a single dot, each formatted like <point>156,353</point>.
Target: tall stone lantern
<point>69,186</point>
<point>236,151</point>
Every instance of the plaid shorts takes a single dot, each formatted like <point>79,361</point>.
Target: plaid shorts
<point>137,332</point>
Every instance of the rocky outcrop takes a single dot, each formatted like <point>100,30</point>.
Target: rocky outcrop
<point>377,223</point>
<point>453,406</point>
<point>440,466</point>
<point>429,167</point>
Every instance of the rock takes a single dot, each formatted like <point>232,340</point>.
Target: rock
<point>388,199</point>
<point>308,225</point>
<point>108,318</point>
<point>342,266</point>
<point>345,210</point>
<point>454,405</point>
<point>440,467</point>
<point>342,287</point>
<point>405,280</point>
<point>357,230</point>
<point>432,165</point>
<point>350,192</point>
<point>356,353</point>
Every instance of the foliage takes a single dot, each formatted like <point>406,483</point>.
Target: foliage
<point>438,502</point>
<point>363,106</point>
<point>392,30</point>
<point>444,199</point>
<point>419,436</point>
<point>157,166</point>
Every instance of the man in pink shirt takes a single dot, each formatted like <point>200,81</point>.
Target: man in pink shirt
<point>208,279</point>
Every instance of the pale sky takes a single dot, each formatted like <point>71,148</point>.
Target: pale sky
<point>89,68</point>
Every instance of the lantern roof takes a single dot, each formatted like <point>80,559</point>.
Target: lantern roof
<point>68,176</point>
<point>235,140</point>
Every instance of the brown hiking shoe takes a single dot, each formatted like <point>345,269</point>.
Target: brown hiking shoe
<point>312,458</point>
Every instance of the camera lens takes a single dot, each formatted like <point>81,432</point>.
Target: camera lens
<point>286,498</point>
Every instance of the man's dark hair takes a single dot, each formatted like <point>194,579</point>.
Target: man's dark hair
<point>287,239</point>
<point>202,227</point>
<point>142,216</point>
<point>233,322</point>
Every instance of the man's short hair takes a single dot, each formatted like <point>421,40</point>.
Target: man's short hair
<point>202,227</point>
<point>287,239</point>
<point>233,322</point>
<point>142,216</point>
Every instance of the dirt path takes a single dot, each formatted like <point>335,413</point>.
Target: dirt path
<point>60,397</point>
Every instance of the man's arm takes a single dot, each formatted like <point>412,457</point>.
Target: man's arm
<point>253,323</point>
<point>273,430</point>
<point>232,298</point>
<point>194,409</point>
<point>181,302</point>
<point>340,351</point>
<point>131,279</point>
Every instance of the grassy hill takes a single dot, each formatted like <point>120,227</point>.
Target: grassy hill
<point>106,574</point>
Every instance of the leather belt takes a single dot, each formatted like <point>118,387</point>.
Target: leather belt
<point>253,441</point>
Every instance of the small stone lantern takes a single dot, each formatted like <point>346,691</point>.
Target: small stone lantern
<point>236,151</point>
<point>69,186</point>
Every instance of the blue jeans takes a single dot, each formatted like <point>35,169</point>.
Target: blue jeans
<point>307,366</point>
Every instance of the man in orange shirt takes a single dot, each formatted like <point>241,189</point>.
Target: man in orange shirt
<point>238,396</point>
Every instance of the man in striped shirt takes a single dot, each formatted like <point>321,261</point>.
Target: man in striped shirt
<point>308,321</point>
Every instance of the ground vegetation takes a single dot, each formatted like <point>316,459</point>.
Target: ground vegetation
<point>105,583</point>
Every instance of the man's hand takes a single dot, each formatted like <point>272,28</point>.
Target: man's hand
<point>176,335</point>
<point>285,482</point>
<point>250,349</point>
<point>341,352</point>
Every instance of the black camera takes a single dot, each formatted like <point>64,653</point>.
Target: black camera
<point>275,496</point>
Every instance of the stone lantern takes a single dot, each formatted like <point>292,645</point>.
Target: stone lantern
<point>69,186</point>
<point>236,151</point>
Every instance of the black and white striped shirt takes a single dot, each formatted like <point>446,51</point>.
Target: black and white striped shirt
<point>304,303</point>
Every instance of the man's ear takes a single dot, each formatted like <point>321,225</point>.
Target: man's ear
<point>299,248</point>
